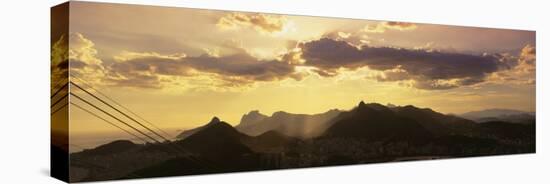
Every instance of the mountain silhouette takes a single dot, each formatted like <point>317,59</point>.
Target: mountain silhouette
<point>506,130</point>
<point>294,125</point>
<point>524,118</point>
<point>114,147</point>
<point>219,135</point>
<point>221,145</point>
<point>368,133</point>
<point>251,118</point>
<point>376,122</point>
<point>508,115</point>
<point>186,133</point>
<point>437,123</point>
<point>270,142</point>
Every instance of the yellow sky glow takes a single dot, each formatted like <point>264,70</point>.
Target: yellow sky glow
<point>173,66</point>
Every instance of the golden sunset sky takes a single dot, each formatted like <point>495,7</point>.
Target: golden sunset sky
<point>179,67</point>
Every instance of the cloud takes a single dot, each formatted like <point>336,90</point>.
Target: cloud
<point>136,80</point>
<point>59,59</point>
<point>343,34</point>
<point>527,58</point>
<point>383,26</point>
<point>356,38</point>
<point>420,68</point>
<point>126,55</point>
<point>396,74</point>
<point>293,57</point>
<point>426,68</point>
<point>263,23</point>
<point>156,70</point>
<point>82,49</point>
<point>520,67</point>
<point>402,26</point>
<point>234,70</point>
<point>84,62</point>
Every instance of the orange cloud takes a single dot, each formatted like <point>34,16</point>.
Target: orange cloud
<point>526,61</point>
<point>520,68</point>
<point>83,58</point>
<point>260,22</point>
<point>383,26</point>
<point>153,70</point>
<point>400,25</point>
<point>59,59</point>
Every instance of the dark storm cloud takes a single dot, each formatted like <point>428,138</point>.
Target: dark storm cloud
<point>422,66</point>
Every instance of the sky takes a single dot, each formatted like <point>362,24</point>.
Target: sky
<point>179,67</point>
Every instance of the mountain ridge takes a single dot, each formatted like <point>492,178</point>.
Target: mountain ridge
<point>376,122</point>
<point>290,124</point>
<point>497,114</point>
<point>368,133</point>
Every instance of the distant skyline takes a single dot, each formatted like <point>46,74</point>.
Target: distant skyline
<point>179,67</point>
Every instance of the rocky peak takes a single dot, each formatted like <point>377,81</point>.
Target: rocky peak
<point>214,120</point>
<point>251,118</point>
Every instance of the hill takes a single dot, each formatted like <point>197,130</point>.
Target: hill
<point>368,133</point>
<point>294,125</point>
<point>219,135</point>
<point>375,122</point>
<point>435,122</point>
<point>270,142</point>
<point>508,115</point>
